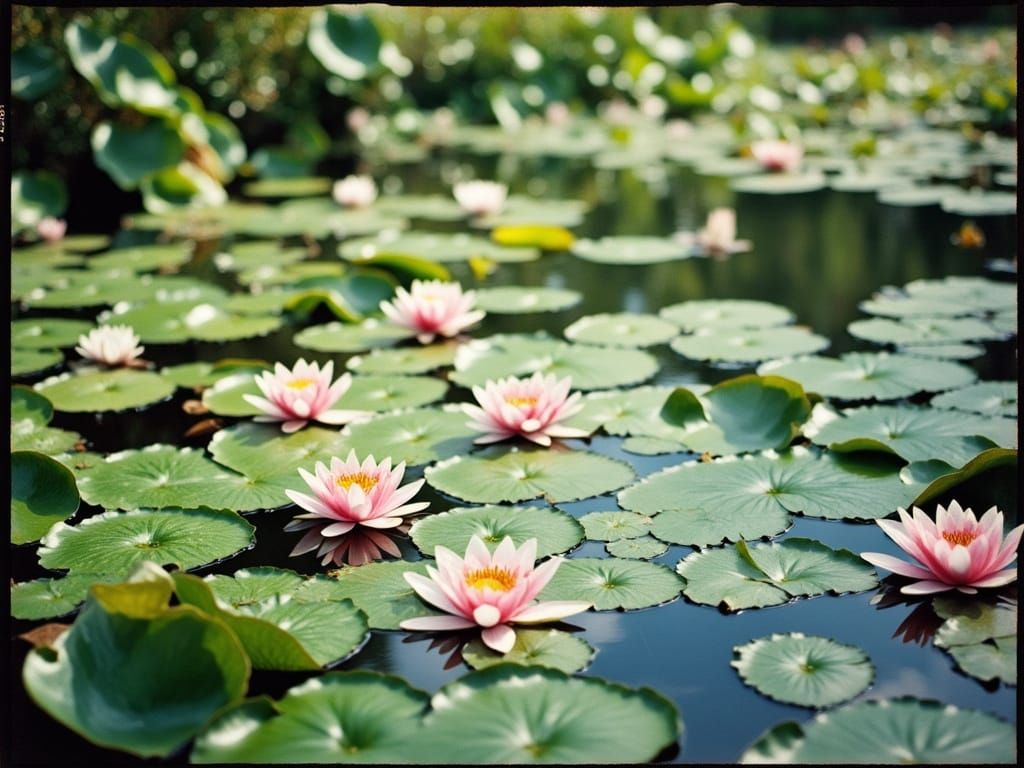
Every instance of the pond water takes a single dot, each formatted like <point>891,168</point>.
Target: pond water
<point>818,254</point>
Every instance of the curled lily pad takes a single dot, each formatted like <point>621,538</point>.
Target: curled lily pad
<point>993,398</point>
<point>703,314</point>
<point>535,647</point>
<point>923,330</point>
<point>404,360</point>
<point>187,538</point>
<point>416,436</point>
<point>882,730</point>
<point>938,477</point>
<point>804,670</point>
<point>612,526</point>
<point>515,300</point>
<point>339,337</point>
<point>640,548</point>
<point>28,436</point>
<point>508,475</point>
<point>46,333</point>
<point>590,367</point>
<point>738,345</point>
<point>624,329</point>
<point>49,598</point>
<point>635,249</point>
<point>613,583</point>
<point>554,531</point>
<point>117,390</point>
<point>381,592</point>
<point>866,375</point>
<point>43,492</point>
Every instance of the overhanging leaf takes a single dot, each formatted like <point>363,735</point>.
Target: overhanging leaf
<point>43,492</point>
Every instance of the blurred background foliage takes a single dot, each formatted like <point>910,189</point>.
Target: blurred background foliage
<point>288,79</point>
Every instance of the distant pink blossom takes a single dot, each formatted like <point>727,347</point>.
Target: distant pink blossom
<point>355,191</point>
<point>777,155</point>
<point>433,308</point>
<point>956,551</point>
<point>352,504</point>
<point>490,591</point>
<point>719,233</point>
<point>302,394</point>
<point>480,198</point>
<point>112,345</point>
<point>357,118</point>
<point>51,229</point>
<point>532,408</point>
<point>556,113</point>
<point>854,44</point>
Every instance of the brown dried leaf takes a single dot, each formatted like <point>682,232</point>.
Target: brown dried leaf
<point>46,635</point>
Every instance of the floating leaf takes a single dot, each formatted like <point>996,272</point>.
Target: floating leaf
<point>613,583</point>
<point>804,670</point>
<point>983,643</point>
<point>980,203</point>
<point>117,678</point>
<point>943,351</point>
<point>651,446</point>
<point>404,360</point>
<point>624,329</point>
<point>631,249</point>
<point>143,258</point>
<point>704,314</point>
<point>534,648</point>
<point>547,237</point>
<point>612,526</point>
<point>257,253</point>
<point>50,598</point>
<point>991,398</point>
<point>177,321</point>
<point>349,297</point>
<point>515,355</point>
<point>388,393</point>
<point>555,531</point>
<point>940,477</point>
<point>748,346</point>
<point>700,526</point>
<point>779,183</point>
<point>249,586</point>
<point>46,333</point>
<point>722,577</point>
<point>413,436</point>
<point>338,337</point>
<point>43,492</point>
<point>29,405</point>
<point>187,538</point>
<point>922,330</point>
<point>517,299</point>
<point>97,391</point>
<point>288,187</point>
<point>430,207</point>
<point>545,217</point>
<point>434,246</point>
<point>498,475</point>
<point>866,375</point>
<point>640,548</point>
<point>631,412</point>
<point>883,730</point>
<point>380,591</point>
<point>226,396</point>
<point>914,195</point>
<point>982,294</point>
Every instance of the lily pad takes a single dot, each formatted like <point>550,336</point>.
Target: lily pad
<point>535,648</point>
<point>990,398</point>
<point>704,314</point>
<point>187,538</point>
<point>404,360</point>
<point>98,391</point>
<point>759,487</point>
<point>804,670</point>
<point>779,183</point>
<point>226,396</point>
<point>417,436</point>
<point>632,249</point>
<point>43,492</point>
<point>700,527</point>
<point>298,186</point>
<point>257,253</point>
<point>624,329</point>
<point>735,345</point>
<point>984,645</point>
<point>982,294</point>
<point>430,207</point>
<point>249,586</point>
<point>498,475</point>
<point>914,195</point>
<point>612,526</point>
<point>555,531</point>
<point>978,203</point>
<point>520,211</point>
<point>548,237</point>
<point>272,302</point>
<point>144,258</point>
<point>866,375</point>
<point>589,366</point>
<point>389,393</point>
<point>177,321</point>
<point>634,411</point>
<point>340,337</point>
<point>47,333</point>
<point>938,477</point>
<point>434,246</point>
<point>907,730</point>
<point>27,404</point>
<point>923,330</point>
<point>943,351</point>
<point>915,434</point>
<point>611,583</point>
<point>50,598</point>
<point>517,300</point>
<point>640,548</point>
<point>380,591</point>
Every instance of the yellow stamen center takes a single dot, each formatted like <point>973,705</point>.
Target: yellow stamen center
<point>299,383</point>
<point>363,480</point>
<point>521,402</point>
<point>963,538</point>
<point>491,577</point>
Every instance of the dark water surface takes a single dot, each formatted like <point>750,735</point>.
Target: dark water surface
<point>818,254</point>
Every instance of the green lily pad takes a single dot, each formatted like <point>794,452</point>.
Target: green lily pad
<point>866,375</point>
<point>27,436</point>
<point>380,591</point>
<point>982,294</point>
<point>34,196</point>
<point>932,330</point>
<point>804,670</point>
<point>697,315</point>
<point>519,211</point>
<point>727,167</point>
<point>755,576</point>
<point>249,586</point>
<point>630,249</point>
<point>990,398</point>
<point>914,306</point>
<point>555,531</point>
<point>761,486</point>
<point>938,477</point>
<point>46,333</point>
<point>349,297</point>
<point>187,538</point>
<point>389,393</point>
<point>43,492</point>
<point>613,583</point>
<point>29,405</point>
<point>430,207</point>
<point>272,302</point>
<point>300,186</point>
<point>35,70</point>
<point>144,258</point>
<point>226,396</point>
<point>741,414</point>
<point>416,436</point>
<point>623,329</point>
<point>737,345</point>
<point>339,337</point>
<point>269,275</point>
<point>535,648</point>
<point>257,253</point>
<point>404,360</point>
<point>97,391</point>
<point>338,717</point>
<point>515,355</point>
<point>908,730</point>
<point>518,299</point>
<point>630,412</point>
<point>989,661</point>
<point>612,526</point>
<point>779,183</point>
<point>914,195</point>
<point>116,676</point>
<point>915,434</point>
<point>434,246</point>
<point>651,446</point>
<point>640,548</point>
<point>983,645</point>
<point>498,475</point>
<point>50,598</point>
<point>177,321</point>
<point>943,351</point>
<point>975,203</point>
<point>700,527</point>
<point>90,289</point>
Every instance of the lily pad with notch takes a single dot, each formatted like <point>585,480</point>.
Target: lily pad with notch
<point>613,583</point>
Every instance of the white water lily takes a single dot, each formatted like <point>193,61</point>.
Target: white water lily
<point>112,345</point>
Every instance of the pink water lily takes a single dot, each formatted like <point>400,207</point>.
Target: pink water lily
<point>51,229</point>
<point>355,191</point>
<point>490,591</point>
<point>955,551</point>
<point>777,155</point>
<point>480,198</point>
<point>719,233</point>
<point>532,408</point>
<point>112,345</point>
<point>350,497</point>
<point>302,394</point>
<point>433,308</point>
